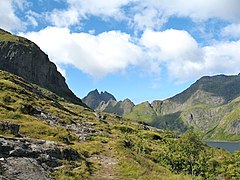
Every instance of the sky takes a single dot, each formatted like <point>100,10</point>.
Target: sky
<point>144,50</point>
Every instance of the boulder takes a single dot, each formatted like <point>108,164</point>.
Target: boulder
<point>8,126</point>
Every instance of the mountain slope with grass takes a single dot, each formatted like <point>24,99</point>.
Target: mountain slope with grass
<point>210,106</point>
<point>52,138</point>
<point>47,136</point>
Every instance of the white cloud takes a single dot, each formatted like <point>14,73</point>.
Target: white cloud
<point>203,9</point>
<point>8,19</point>
<point>98,55</point>
<point>232,30</point>
<point>64,18</point>
<point>78,10</point>
<point>32,18</point>
<point>171,44</point>
<point>197,10</point>
<point>173,49</point>
<point>223,57</point>
<point>148,18</point>
<point>143,14</point>
<point>184,59</point>
<point>140,14</point>
<point>114,51</point>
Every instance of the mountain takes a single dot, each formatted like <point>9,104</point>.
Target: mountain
<point>94,98</point>
<point>44,137</point>
<point>221,87</point>
<point>106,102</point>
<point>210,105</point>
<point>25,59</point>
<point>118,107</point>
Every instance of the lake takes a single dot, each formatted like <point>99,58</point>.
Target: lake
<point>230,146</point>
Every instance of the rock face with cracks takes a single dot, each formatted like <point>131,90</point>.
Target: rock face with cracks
<point>25,59</point>
<point>23,159</point>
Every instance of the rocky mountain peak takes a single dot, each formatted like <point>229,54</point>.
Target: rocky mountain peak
<point>94,98</point>
<point>22,57</point>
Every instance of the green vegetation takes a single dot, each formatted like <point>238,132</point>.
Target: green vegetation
<point>7,37</point>
<point>142,112</point>
<point>110,146</point>
<point>210,106</point>
<point>201,112</point>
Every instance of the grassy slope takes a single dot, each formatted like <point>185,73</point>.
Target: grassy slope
<point>216,122</point>
<point>121,148</point>
<point>7,37</point>
<point>109,143</point>
<point>142,112</point>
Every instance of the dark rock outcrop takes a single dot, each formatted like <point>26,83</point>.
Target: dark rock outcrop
<point>23,159</point>
<point>24,58</point>
<point>22,168</point>
<point>11,127</point>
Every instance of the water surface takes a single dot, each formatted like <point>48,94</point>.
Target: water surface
<point>230,146</point>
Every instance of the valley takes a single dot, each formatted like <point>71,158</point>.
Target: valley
<point>210,106</point>
<point>46,132</point>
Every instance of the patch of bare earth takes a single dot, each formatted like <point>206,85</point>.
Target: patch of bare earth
<point>107,170</point>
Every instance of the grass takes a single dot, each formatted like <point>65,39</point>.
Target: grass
<point>7,37</point>
<point>136,149</point>
<point>142,112</point>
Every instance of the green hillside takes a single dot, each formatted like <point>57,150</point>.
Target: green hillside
<point>99,145</point>
<point>210,106</point>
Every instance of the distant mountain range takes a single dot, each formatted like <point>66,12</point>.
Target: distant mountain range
<point>46,132</point>
<point>106,102</point>
<point>210,105</point>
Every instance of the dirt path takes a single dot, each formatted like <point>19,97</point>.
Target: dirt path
<point>107,170</point>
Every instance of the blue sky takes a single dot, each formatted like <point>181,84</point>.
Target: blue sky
<point>137,49</point>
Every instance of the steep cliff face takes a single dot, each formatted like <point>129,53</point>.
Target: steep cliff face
<point>24,58</point>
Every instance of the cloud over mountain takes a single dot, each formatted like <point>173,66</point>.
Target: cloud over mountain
<point>142,38</point>
<point>97,55</point>
<point>113,51</point>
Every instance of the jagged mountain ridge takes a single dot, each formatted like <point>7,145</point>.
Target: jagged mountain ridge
<point>22,57</point>
<point>118,107</point>
<point>226,87</point>
<point>94,98</point>
<point>206,106</point>
<point>106,102</point>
